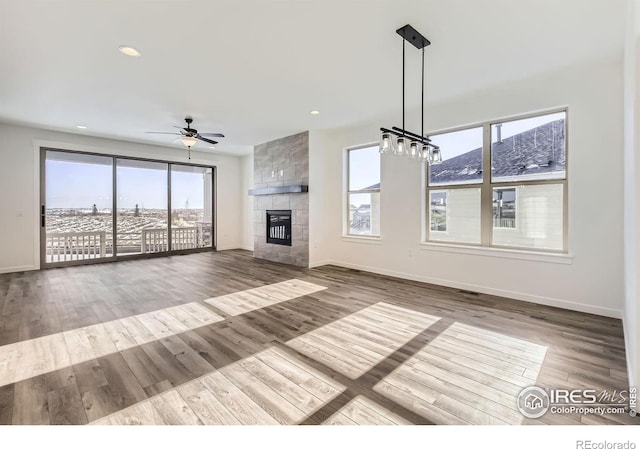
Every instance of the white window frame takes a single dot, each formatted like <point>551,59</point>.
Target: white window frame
<point>487,185</point>
<point>346,232</point>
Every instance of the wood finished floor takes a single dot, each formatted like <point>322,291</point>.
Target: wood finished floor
<point>222,338</point>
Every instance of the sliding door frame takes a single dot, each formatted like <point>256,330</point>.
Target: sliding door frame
<point>115,257</point>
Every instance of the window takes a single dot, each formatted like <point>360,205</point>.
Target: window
<point>504,208</point>
<point>520,202</point>
<point>438,211</point>
<point>363,191</point>
<point>461,156</point>
<point>459,220</point>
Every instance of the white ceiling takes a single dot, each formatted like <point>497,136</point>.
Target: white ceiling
<point>253,69</point>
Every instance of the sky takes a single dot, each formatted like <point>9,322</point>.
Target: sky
<point>364,168</point>
<point>364,171</point>
<point>81,185</point>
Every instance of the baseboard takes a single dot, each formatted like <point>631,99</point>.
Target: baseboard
<point>234,246</point>
<point>18,269</point>
<point>228,247</point>
<point>628,345</point>
<point>231,246</point>
<point>320,263</point>
<point>569,305</point>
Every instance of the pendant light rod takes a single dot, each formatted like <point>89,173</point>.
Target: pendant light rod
<point>422,119</point>
<point>403,42</point>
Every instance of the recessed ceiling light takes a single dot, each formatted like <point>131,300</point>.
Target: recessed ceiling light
<point>81,127</point>
<point>213,148</point>
<point>314,112</point>
<point>129,51</point>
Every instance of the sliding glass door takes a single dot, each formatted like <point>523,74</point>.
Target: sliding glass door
<point>191,207</point>
<point>143,213</point>
<point>77,215</point>
<point>159,207</point>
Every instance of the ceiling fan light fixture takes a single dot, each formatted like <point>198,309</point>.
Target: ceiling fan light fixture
<point>188,141</point>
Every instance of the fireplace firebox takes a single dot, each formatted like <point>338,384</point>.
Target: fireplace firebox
<point>279,227</point>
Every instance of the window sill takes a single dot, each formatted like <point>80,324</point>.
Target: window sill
<point>535,256</point>
<point>362,239</point>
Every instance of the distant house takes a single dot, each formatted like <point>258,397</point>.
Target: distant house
<point>362,218</point>
<point>536,151</point>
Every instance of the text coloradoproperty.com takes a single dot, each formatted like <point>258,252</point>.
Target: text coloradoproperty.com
<point>588,410</point>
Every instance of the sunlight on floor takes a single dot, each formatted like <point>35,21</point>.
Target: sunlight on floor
<point>466,375</point>
<point>257,298</point>
<point>29,358</point>
<point>356,343</point>
<point>270,387</point>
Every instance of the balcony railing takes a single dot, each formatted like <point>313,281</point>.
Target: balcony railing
<point>155,240</point>
<point>504,222</point>
<point>76,246</point>
<point>68,246</point>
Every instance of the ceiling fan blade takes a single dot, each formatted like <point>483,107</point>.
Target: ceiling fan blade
<point>212,134</point>
<point>185,131</point>
<point>212,142</point>
<point>157,132</point>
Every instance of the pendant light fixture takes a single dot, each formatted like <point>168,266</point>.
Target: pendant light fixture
<point>399,141</point>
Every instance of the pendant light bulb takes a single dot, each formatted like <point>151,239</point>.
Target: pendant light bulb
<point>436,156</point>
<point>414,150</point>
<point>386,143</point>
<point>424,153</point>
<point>402,146</point>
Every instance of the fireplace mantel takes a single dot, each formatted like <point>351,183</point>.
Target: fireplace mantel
<point>298,188</point>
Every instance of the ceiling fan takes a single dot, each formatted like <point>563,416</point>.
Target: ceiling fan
<point>190,136</point>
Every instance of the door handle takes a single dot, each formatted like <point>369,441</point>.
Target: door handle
<point>42,215</point>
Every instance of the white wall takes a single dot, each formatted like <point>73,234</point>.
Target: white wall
<point>319,228</point>
<point>632,190</point>
<point>20,195</point>
<point>593,282</point>
<point>246,169</point>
